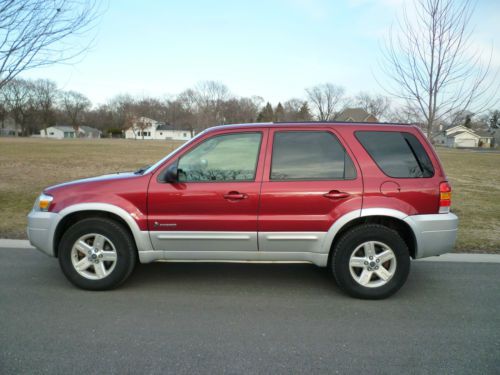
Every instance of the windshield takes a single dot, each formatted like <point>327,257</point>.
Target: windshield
<point>161,161</point>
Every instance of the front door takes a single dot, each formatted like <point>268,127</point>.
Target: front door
<point>214,204</point>
<point>310,180</point>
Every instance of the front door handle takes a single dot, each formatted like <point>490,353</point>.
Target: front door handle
<point>234,195</point>
<point>335,194</point>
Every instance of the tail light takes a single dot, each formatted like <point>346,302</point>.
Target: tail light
<point>444,197</point>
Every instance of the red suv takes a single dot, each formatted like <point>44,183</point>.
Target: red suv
<point>361,199</point>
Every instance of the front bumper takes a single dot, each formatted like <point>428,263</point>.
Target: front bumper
<point>41,229</point>
<point>434,234</point>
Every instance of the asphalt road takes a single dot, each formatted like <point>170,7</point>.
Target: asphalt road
<point>246,318</point>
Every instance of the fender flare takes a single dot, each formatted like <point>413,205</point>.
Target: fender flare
<point>141,238</point>
<point>356,214</point>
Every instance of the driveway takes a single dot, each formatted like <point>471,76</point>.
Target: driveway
<point>246,318</point>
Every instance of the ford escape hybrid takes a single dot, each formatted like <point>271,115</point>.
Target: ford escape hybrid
<point>360,199</point>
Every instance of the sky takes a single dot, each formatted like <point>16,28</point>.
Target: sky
<point>274,48</point>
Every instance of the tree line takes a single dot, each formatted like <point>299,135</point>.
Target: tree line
<point>34,105</point>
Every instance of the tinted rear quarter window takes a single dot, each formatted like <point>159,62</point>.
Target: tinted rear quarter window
<point>309,155</point>
<point>397,154</point>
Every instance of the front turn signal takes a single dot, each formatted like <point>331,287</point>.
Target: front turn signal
<point>43,202</point>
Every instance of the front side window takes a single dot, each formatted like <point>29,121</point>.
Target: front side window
<point>397,154</point>
<point>309,155</point>
<point>229,157</point>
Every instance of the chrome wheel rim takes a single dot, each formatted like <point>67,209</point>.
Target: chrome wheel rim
<point>94,256</point>
<point>372,264</point>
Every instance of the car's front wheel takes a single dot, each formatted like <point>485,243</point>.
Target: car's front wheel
<point>97,254</point>
<point>371,261</point>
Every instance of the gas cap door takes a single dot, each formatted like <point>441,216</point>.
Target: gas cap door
<point>390,188</point>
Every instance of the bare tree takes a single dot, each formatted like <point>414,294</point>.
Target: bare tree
<point>3,113</point>
<point>141,124</point>
<point>33,33</point>
<point>122,109</point>
<point>326,100</point>
<point>74,105</point>
<point>430,62</point>
<point>45,94</point>
<point>376,105</point>
<point>211,92</point>
<point>210,97</point>
<point>17,97</point>
<point>407,114</point>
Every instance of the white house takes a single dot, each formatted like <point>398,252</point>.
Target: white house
<point>8,128</point>
<point>462,136</point>
<point>146,128</point>
<point>63,131</point>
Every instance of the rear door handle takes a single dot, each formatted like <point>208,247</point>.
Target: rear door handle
<point>335,194</point>
<point>234,195</point>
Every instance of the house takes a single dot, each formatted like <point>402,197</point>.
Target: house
<point>88,132</point>
<point>462,136</point>
<point>355,115</point>
<point>64,131</point>
<point>58,132</point>
<point>8,128</point>
<point>146,128</point>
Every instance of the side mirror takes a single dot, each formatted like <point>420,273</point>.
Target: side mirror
<point>171,174</point>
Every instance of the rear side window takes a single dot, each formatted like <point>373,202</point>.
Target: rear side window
<point>309,155</point>
<point>398,154</point>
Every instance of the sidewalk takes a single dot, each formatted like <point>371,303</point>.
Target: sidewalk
<point>452,257</point>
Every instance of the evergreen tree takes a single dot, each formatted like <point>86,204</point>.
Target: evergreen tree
<point>305,113</point>
<point>468,121</point>
<point>279,113</point>
<point>267,114</point>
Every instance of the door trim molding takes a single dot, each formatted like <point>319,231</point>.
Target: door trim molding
<point>203,235</point>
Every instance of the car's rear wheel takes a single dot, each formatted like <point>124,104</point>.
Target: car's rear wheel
<point>371,262</point>
<point>97,254</point>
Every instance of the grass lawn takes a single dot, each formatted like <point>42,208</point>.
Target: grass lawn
<point>29,165</point>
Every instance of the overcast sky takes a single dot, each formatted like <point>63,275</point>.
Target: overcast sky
<point>271,48</point>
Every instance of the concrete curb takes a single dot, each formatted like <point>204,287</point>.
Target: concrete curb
<point>453,257</point>
<point>464,258</point>
<point>15,244</point>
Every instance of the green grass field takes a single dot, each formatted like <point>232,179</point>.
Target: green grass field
<point>28,165</point>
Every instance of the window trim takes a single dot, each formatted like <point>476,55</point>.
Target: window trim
<point>177,159</point>
<point>311,179</point>
<point>412,151</point>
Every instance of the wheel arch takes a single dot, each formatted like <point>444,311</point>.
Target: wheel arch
<point>390,218</point>
<point>73,214</point>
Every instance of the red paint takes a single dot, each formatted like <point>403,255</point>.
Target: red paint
<point>262,205</point>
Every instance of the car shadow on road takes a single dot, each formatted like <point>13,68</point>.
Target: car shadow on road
<point>256,278</point>
<point>204,278</point>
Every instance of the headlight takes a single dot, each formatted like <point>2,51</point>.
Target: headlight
<point>43,202</point>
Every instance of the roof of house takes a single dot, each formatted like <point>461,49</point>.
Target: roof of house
<point>64,128</point>
<point>163,127</point>
<point>483,134</point>
<point>353,114</point>
<point>167,126</point>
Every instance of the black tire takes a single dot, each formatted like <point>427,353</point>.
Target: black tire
<point>357,236</point>
<point>117,234</point>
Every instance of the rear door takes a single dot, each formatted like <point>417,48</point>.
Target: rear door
<point>310,180</point>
